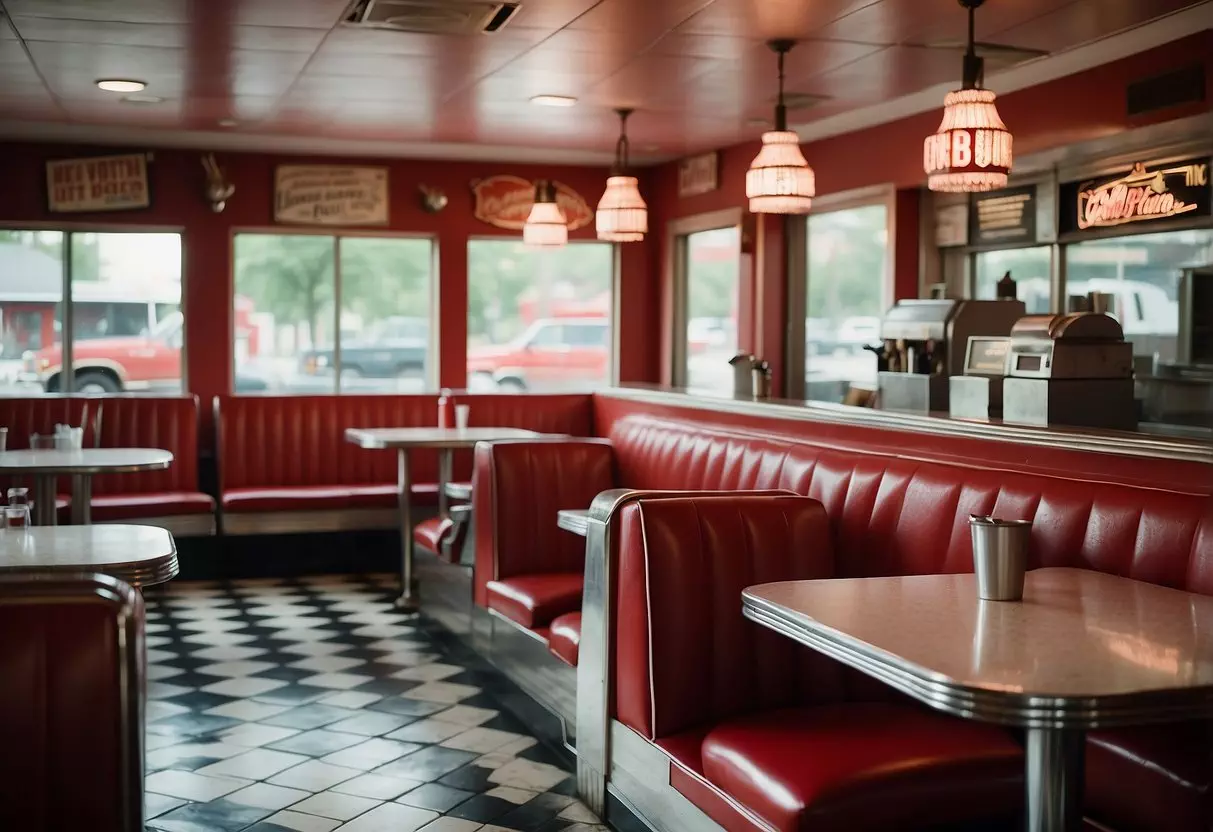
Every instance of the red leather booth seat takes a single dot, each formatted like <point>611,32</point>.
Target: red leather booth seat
<point>528,570</point>
<point>288,453</point>
<point>72,661</point>
<point>25,415</point>
<point>763,733</point>
<point>170,423</point>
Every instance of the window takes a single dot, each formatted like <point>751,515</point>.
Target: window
<point>1140,275</point>
<point>539,320</point>
<point>848,292</point>
<point>1029,268</point>
<point>713,288</point>
<point>292,338</point>
<point>119,282</point>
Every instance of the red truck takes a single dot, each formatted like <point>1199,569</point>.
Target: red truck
<point>551,353</point>
<point>112,364</point>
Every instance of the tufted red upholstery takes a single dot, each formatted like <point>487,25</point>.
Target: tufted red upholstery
<point>272,448</point>
<point>564,638</point>
<point>534,600</point>
<point>24,415</point>
<point>168,422</point>
<point>74,756</point>
<point>752,718</point>
<point>518,488</point>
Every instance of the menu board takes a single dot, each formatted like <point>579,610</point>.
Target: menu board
<point>1003,217</point>
<point>1146,194</point>
<point>986,356</point>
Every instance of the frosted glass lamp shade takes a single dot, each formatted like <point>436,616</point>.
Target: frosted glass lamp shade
<point>622,216</point>
<point>971,150</point>
<point>779,180</point>
<point>545,226</point>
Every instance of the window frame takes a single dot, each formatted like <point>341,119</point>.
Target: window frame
<point>433,372</point>
<point>67,383</point>
<point>677,276</point>
<point>798,275</point>
<point>615,283</point>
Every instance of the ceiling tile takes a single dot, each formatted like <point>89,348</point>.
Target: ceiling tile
<point>304,14</point>
<point>172,35</point>
<point>277,38</point>
<point>129,11</point>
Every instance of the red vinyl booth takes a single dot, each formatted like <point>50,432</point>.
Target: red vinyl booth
<point>763,733</point>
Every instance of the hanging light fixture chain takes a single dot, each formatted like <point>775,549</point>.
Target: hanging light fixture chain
<point>622,146</point>
<point>974,66</point>
<point>781,49</point>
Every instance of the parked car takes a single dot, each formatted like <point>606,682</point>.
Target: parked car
<point>552,352</point>
<point>112,364</point>
<point>390,348</point>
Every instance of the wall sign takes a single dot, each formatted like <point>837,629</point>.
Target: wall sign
<point>323,195</point>
<point>505,202</point>
<point>100,183</point>
<point>698,174</point>
<point>1006,216</point>
<point>1145,194</point>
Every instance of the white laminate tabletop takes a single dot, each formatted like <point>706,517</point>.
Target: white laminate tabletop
<point>432,437</point>
<point>139,555</point>
<point>1082,649</point>
<point>575,520</point>
<point>85,461</point>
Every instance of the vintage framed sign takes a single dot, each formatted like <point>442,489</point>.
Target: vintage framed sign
<point>1003,217</point>
<point>326,195</point>
<point>98,183</point>
<point>698,174</point>
<point>1145,194</point>
<point>505,202</point>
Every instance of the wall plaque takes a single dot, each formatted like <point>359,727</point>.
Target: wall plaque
<point>1006,216</point>
<point>99,183</point>
<point>1147,193</point>
<point>698,174</point>
<point>505,202</point>
<point>323,195</point>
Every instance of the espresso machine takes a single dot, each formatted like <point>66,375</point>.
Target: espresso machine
<point>1074,369</point>
<point>924,345</point>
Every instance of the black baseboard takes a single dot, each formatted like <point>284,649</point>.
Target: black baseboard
<point>232,557</point>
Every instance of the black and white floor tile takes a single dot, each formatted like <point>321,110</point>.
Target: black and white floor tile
<point>311,705</point>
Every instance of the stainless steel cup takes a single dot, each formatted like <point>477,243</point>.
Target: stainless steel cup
<point>1000,556</point>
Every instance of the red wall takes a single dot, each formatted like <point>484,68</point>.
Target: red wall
<point>1068,110</point>
<point>177,201</point>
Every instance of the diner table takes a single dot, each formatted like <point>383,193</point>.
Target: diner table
<point>575,520</point>
<point>402,440</point>
<point>139,555</point>
<point>81,464</point>
<point>1082,650</point>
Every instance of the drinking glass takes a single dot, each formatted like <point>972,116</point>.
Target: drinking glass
<point>462,411</point>
<point>41,441</point>
<point>16,517</point>
<point>3,439</point>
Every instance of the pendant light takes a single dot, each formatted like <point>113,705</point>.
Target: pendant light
<point>622,216</point>
<point>545,226</point>
<point>971,150</point>
<point>779,180</point>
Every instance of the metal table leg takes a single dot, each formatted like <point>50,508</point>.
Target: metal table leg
<point>408,600</point>
<point>82,500</point>
<point>445,466</point>
<point>1055,779</point>
<point>45,510</point>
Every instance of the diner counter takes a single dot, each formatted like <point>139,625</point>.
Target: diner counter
<point>1124,443</point>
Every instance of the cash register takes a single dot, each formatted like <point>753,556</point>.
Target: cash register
<point>1074,369</point>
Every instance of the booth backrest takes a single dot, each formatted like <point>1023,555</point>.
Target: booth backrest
<point>906,513</point>
<point>72,660</point>
<point>23,415</point>
<point>684,655</point>
<point>518,487</point>
<point>166,422</point>
<point>266,441</point>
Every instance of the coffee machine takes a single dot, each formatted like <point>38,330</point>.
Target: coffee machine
<point>1074,369</point>
<point>925,342</point>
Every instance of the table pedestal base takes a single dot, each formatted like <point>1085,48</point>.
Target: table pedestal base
<point>1054,779</point>
<point>408,600</point>
<point>82,500</point>
<point>45,510</point>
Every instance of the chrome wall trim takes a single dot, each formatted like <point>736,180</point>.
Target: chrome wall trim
<point>286,522</point>
<point>1120,443</point>
<point>1001,707</point>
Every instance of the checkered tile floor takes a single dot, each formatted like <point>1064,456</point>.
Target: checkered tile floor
<point>313,705</point>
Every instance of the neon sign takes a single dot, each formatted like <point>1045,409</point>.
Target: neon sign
<point>1144,194</point>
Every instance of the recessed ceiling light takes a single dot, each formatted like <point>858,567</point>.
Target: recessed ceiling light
<point>554,100</point>
<point>121,85</point>
<point>136,98</point>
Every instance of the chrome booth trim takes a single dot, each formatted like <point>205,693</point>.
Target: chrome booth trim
<point>595,758</point>
<point>1122,443</point>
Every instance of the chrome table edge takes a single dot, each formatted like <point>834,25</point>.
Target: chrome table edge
<point>986,705</point>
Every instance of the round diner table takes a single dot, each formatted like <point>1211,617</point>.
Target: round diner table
<point>46,466</point>
<point>139,555</point>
